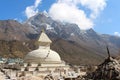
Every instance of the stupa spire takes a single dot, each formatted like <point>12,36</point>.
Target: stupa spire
<point>44,40</point>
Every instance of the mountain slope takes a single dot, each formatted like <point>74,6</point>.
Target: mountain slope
<point>73,53</point>
<point>13,30</point>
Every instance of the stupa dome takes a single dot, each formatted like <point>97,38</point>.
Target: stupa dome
<point>43,56</point>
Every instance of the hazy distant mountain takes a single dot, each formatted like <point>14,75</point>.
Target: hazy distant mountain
<point>74,45</point>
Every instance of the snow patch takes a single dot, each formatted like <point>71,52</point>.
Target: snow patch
<point>48,27</point>
<point>72,34</point>
<point>45,13</point>
<point>83,32</point>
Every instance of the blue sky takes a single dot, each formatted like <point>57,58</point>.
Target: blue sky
<point>107,21</point>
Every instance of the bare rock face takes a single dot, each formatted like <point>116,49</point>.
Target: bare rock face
<point>108,70</point>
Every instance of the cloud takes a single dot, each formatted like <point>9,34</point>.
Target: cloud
<point>96,6</point>
<point>70,11</point>
<point>117,34</point>
<point>32,10</point>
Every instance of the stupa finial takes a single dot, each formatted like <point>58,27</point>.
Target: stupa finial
<point>43,30</point>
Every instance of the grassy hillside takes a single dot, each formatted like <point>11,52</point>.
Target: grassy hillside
<point>13,48</point>
<point>76,54</point>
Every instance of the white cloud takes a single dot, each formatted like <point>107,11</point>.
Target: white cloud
<point>32,10</point>
<point>37,2</point>
<point>69,11</point>
<point>96,6</point>
<point>117,34</point>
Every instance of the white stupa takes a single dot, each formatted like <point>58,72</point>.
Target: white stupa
<point>44,61</point>
<point>43,54</point>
